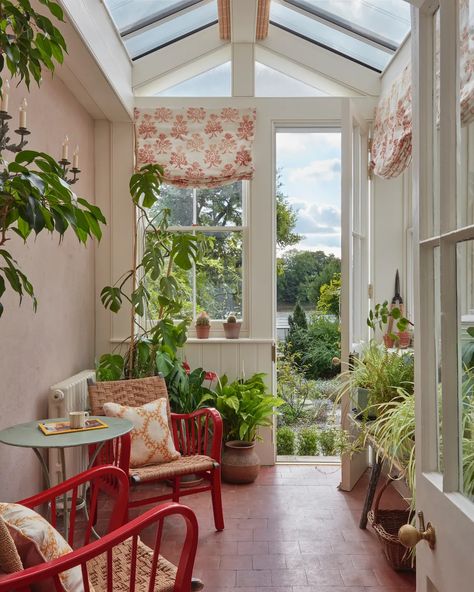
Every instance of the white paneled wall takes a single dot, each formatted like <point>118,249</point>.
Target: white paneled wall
<point>236,358</point>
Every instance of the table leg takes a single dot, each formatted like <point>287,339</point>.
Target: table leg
<point>369,498</point>
<point>89,466</point>
<point>62,457</point>
<point>44,468</point>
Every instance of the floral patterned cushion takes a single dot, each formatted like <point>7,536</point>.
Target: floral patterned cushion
<point>152,441</point>
<point>37,542</point>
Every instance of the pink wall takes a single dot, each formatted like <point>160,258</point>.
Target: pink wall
<point>38,350</point>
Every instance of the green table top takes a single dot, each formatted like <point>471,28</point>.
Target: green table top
<point>29,435</point>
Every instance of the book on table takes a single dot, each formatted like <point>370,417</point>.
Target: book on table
<point>50,428</point>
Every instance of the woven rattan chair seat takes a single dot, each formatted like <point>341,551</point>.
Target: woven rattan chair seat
<point>185,465</point>
<point>121,565</point>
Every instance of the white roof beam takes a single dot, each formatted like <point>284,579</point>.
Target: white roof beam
<point>243,70</point>
<point>327,63</point>
<point>243,20</point>
<point>189,70</point>
<point>302,73</point>
<point>173,56</point>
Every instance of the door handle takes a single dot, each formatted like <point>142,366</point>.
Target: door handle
<point>410,536</point>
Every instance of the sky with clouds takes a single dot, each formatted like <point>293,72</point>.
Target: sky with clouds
<point>310,166</point>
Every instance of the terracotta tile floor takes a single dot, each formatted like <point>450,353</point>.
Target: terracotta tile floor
<point>290,531</point>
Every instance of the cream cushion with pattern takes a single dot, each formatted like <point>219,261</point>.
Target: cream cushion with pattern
<point>152,441</point>
<point>38,542</point>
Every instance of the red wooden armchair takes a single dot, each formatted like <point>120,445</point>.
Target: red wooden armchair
<point>119,560</point>
<point>197,436</point>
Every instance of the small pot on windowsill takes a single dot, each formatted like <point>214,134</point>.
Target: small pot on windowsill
<point>388,340</point>
<point>203,326</point>
<point>232,328</point>
<point>404,339</point>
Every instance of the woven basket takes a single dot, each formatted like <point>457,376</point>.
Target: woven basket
<point>386,524</point>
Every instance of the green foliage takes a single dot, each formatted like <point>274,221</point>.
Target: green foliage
<point>286,441</point>
<point>286,218</point>
<point>29,41</point>
<point>153,348</point>
<point>379,318</point>
<point>298,319</point>
<point>186,391</point>
<point>245,405</point>
<point>308,442</point>
<point>34,198</point>
<point>203,320</point>
<point>333,440</point>
<point>302,273</point>
<point>330,295</point>
<point>293,389</point>
<point>231,319</point>
<point>316,347</point>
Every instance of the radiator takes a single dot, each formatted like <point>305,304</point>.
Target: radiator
<point>69,395</point>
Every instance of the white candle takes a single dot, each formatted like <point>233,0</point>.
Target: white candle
<point>65,148</point>
<point>23,107</point>
<point>75,158</point>
<point>5,96</point>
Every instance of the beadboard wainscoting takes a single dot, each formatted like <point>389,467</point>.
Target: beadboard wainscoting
<point>237,358</point>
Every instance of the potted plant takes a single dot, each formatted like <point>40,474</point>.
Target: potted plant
<point>203,325</point>
<point>382,317</point>
<point>245,405</point>
<point>232,328</point>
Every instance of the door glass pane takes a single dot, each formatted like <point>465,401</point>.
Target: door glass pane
<point>465,180</point>
<point>436,140</point>
<point>465,305</point>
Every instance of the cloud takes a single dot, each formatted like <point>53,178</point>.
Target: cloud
<point>290,144</point>
<point>319,220</point>
<point>317,170</point>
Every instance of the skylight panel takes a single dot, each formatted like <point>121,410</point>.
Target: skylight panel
<point>271,83</point>
<point>385,20</point>
<point>148,25</point>
<point>329,37</point>
<point>215,82</point>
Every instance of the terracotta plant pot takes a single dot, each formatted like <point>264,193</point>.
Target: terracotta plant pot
<point>202,331</point>
<point>388,341</point>
<point>231,330</point>
<point>404,339</point>
<point>240,462</point>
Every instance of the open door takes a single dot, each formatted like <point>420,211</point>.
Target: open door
<point>443,174</point>
<point>354,263</point>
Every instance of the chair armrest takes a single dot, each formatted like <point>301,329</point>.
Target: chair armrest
<point>98,478</point>
<point>24,578</point>
<point>191,432</point>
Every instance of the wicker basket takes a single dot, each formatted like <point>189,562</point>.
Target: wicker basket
<point>386,524</point>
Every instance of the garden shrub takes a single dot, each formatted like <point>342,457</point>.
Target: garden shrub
<point>308,442</point>
<point>315,347</point>
<point>286,440</point>
<point>333,441</point>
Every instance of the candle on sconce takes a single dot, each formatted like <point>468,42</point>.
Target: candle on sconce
<point>65,148</point>
<point>23,107</point>
<point>5,96</point>
<point>75,158</point>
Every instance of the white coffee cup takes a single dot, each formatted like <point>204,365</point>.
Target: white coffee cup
<point>78,419</point>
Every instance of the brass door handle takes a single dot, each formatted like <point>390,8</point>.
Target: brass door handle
<point>410,536</point>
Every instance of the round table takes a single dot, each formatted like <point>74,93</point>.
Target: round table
<point>29,435</point>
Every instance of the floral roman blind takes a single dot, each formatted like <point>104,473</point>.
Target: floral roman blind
<point>197,147</point>
<point>392,136</point>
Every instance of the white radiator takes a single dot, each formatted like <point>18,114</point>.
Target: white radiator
<point>68,395</point>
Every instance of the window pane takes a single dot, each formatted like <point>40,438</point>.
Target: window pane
<point>180,203</point>
<point>213,83</point>
<point>130,13</point>
<point>437,334</point>
<point>171,30</point>
<point>272,83</point>
<point>219,278</point>
<point>326,35</point>
<point>465,290</point>
<point>389,19</point>
<point>219,207</point>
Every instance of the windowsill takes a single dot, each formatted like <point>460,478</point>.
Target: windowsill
<point>224,340</point>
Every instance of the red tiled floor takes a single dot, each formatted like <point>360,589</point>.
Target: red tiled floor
<point>290,531</point>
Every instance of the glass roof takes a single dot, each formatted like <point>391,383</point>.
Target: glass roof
<point>148,25</point>
<point>215,82</point>
<point>366,31</point>
<point>272,83</point>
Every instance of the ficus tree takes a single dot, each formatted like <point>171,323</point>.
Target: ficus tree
<point>34,195</point>
<point>152,346</point>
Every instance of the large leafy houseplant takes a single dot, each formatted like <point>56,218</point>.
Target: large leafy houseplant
<point>34,195</point>
<point>245,405</point>
<point>154,339</point>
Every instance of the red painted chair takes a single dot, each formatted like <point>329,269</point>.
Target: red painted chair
<point>119,560</point>
<point>197,436</point>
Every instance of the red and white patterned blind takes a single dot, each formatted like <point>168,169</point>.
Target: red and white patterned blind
<point>197,147</point>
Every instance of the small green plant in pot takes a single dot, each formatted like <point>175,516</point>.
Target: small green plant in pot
<point>203,325</point>
<point>245,406</point>
<point>232,327</point>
